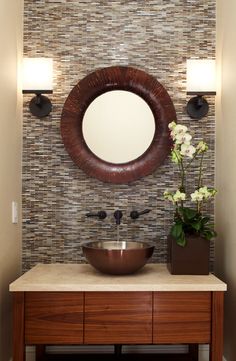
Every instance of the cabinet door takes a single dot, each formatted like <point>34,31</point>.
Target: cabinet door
<point>182,317</point>
<point>53,318</point>
<point>118,318</point>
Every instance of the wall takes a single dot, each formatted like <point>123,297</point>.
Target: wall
<point>81,36</point>
<point>11,29</point>
<point>226,166</point>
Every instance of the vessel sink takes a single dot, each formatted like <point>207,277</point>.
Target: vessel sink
<point>117,257</point>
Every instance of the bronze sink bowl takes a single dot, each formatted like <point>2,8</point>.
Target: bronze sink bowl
<point>117,257</point>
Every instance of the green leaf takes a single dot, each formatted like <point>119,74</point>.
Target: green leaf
<point>196,225</point>
<point>208,234</point>
<point>189,213</point>
<point>209,226</point>
<point>176,230</point>
<point>188,220</point>
<point>181,241</point>
<point>205,220</point>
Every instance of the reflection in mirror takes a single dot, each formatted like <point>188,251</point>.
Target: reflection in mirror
<point>118,126</point>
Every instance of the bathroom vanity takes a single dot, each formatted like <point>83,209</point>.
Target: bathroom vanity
<point>63,304</point>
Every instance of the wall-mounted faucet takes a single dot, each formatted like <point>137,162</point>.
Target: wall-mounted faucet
<point>100,215</point>
<point>118,215</point>
<point>136,214</point>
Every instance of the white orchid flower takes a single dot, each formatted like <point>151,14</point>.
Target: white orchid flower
<point>183,138</point>
<point>196,196</point>
<point>207,192</point>
<point>175,197</point>
<point>180,129</point>
<point>172,125</point>
<point>179,196</point>
<point>187,150</point>
<point>202,147</point>
<point>169,196</point>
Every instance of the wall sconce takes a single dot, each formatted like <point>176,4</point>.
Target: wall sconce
<point>201,80</point>
<point>38,80</point>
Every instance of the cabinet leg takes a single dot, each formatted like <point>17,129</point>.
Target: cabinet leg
<point>18,327</point>
<point>216,346</point>
<point>193,351</point>
<point>40,351</point>
<point>117,350</point>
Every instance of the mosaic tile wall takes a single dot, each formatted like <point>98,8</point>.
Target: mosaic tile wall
<point>81,36</point>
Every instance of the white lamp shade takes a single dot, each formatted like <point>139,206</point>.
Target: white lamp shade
<point>201,77</point>
<point>37,74</point>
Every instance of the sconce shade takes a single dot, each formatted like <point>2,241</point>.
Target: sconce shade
<point>38,79</point>
<point>201,78</point>
<point>37,75</point>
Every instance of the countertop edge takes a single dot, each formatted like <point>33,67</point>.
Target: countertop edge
<point>128,288</point>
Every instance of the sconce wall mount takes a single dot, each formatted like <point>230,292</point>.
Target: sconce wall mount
<point>40,105</point>
<point>197,106</point>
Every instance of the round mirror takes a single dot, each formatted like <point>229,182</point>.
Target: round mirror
<point>114,124</point>
<point>118,126</point>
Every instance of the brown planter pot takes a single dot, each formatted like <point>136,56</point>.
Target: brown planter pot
<point>193,259</point>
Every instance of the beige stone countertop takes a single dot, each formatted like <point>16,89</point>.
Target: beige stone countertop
<point>82,277</point>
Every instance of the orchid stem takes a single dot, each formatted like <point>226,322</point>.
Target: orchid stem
<point>200,172</point>
<point>181,170</point>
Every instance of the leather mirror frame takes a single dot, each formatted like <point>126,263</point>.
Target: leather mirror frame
<point>102,81</point>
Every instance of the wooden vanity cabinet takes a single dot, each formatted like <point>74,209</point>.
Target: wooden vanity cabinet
<point>83,308</point>
<point>44,318</point>
<point>118,318</point>
<point>89,318</point>
<point>146,317</point>
<point>54,317</point>
<point>181,317</point>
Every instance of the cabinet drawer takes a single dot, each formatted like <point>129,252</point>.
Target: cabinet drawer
<point>182,317</point>
<point>118,317</point>
<point>53,318</point>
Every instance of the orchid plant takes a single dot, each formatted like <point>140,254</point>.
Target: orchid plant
<point>188,220</point>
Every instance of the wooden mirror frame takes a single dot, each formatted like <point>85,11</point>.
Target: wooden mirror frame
<point>102,81</point>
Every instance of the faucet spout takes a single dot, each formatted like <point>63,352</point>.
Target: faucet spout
<point>118,215</point>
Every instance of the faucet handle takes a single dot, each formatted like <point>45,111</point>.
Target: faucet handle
<point>118,215</point>
<point>100,214</point>
<point>136,214</point>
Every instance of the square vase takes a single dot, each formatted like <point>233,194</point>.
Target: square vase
<point>193,259</point>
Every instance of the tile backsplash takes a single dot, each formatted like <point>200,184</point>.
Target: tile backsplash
<point>81,36</point>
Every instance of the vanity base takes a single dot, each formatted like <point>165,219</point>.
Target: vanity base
<point>192,355</point>
<point>137,317</point>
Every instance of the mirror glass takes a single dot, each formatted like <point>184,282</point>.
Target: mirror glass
<point>118,126</point>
